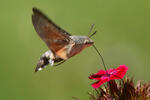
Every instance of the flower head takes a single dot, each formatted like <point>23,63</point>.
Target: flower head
<point>104,76</point>
<point>124,89</point>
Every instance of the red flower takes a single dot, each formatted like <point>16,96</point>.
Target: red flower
<point>104,76</point>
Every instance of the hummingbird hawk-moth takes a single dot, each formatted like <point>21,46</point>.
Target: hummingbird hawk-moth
<point>61,44</point>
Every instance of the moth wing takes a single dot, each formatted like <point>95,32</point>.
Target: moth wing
<point>55,37</point>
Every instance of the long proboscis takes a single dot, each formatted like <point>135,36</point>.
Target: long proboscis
<point>100,56</point>
<point>92,26</point>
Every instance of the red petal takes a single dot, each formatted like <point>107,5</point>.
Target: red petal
<point>100,82</point>
<point>119,72</point>
<point>98,75</point>
<point>104,76</point>
<point>101,72</point>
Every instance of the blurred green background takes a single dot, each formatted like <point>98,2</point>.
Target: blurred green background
<point>123,37</point>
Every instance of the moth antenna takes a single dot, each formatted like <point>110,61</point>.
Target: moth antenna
<point>100,56</point>
<point>91,29</point>
<point>92,34</point>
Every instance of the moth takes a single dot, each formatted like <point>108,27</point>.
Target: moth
<point>62,45</point>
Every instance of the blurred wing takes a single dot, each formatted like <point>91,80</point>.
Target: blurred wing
<point>55,37</point>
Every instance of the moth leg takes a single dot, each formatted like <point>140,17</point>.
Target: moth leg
<point>60,63</point>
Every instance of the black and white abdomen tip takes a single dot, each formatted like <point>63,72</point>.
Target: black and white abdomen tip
<point>45,59</point>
